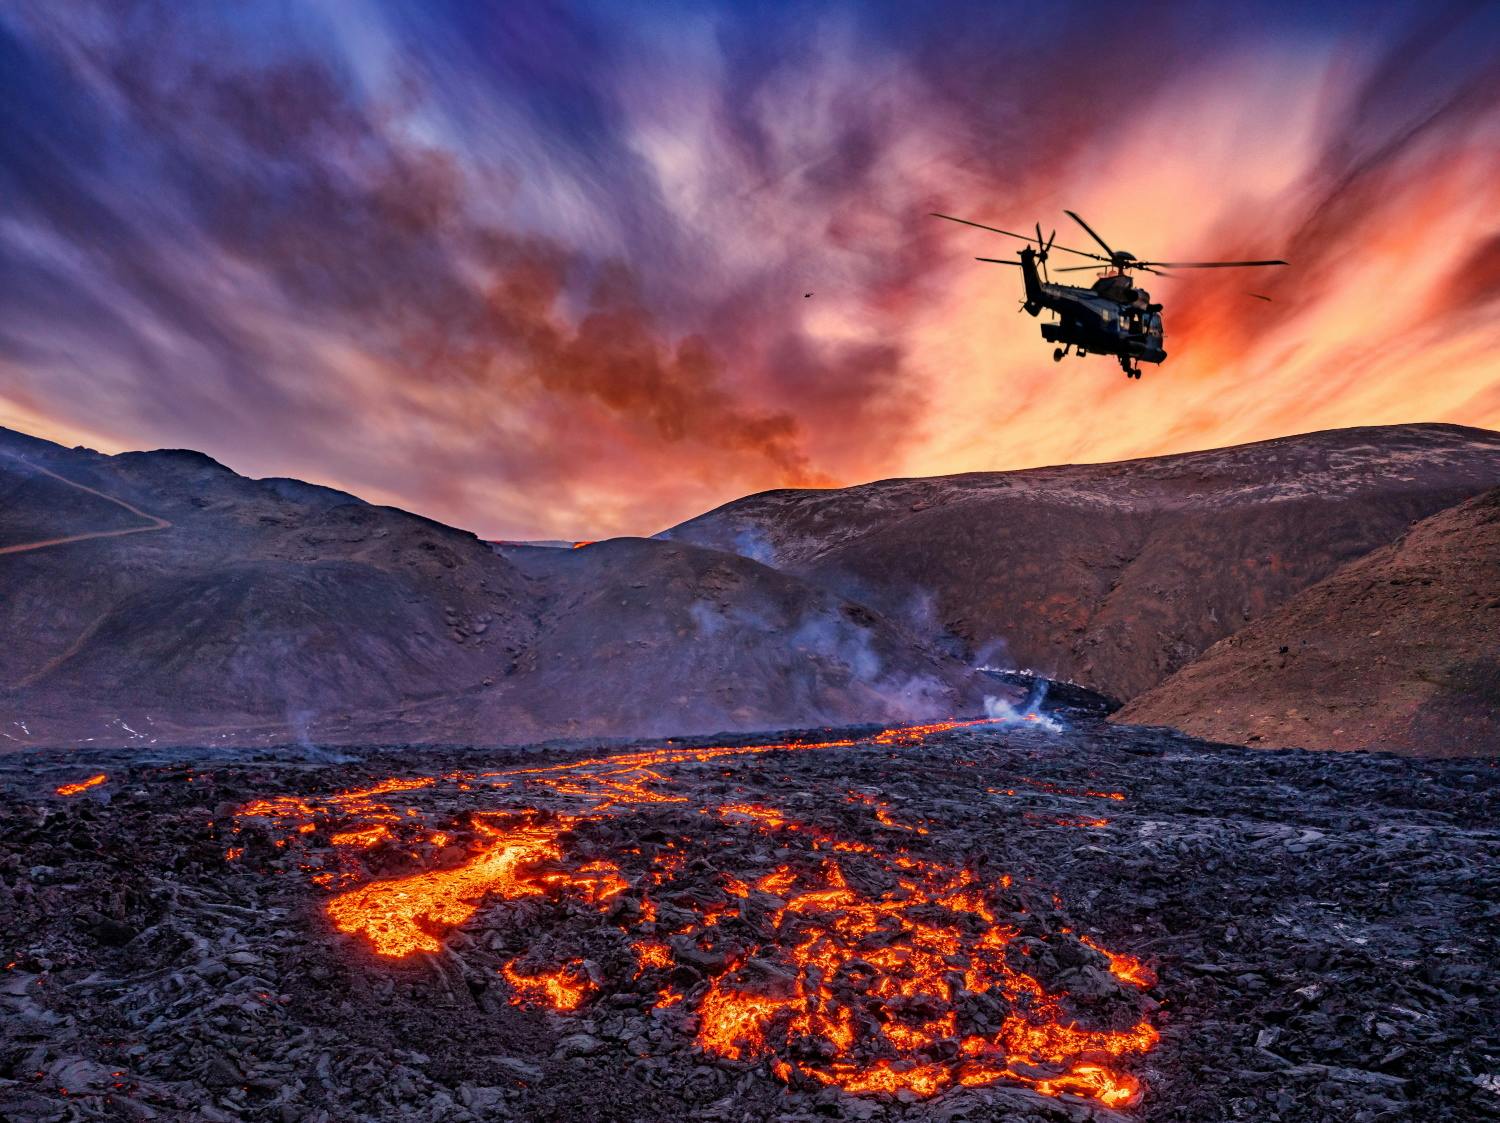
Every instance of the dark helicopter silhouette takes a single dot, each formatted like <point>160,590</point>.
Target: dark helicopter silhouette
<point>1112,316</point>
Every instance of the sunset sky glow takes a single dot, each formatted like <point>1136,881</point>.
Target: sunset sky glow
<point>538,270</point>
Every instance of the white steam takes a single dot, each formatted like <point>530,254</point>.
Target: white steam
<point>1029,714</point>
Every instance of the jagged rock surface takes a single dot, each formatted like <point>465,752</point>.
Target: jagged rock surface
<point>1321,927</point>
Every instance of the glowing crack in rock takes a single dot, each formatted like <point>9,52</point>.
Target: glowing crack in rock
<point>853,965</point>
<point>1122,966</point>
<point>82,785</point>
<point>562,989</point>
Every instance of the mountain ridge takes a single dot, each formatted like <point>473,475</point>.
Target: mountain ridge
<point>273,610</point>
<point>1112,575</point>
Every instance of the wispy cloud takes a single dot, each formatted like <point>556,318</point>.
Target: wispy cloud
<point>542,271</point>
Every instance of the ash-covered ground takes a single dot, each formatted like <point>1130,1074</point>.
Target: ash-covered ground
<point>975,922</point>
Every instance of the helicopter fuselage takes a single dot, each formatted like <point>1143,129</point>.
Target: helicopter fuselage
<point>1112,317</point>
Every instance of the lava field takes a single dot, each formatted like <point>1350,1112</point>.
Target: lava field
<point>955,921</point>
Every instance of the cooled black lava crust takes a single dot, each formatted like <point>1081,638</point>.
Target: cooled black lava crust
<point>1323,927</point>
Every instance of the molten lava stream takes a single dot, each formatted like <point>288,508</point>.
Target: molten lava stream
<point>401,916</point>
<point>82,785</point>
<point>914,986</point>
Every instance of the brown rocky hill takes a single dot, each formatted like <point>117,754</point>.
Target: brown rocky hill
<point>1398,650</point>
<point>159,597</point>
<point>1111,575</point>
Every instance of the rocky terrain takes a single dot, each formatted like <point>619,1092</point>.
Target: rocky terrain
<point>1399,649</point>
<point>161,598</point>
<point>1111,575</point>
<point>943,923</point>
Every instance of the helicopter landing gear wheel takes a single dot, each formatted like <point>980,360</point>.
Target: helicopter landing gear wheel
<point>1057,354</point>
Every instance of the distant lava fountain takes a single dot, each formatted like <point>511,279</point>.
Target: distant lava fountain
<point>869,968</point>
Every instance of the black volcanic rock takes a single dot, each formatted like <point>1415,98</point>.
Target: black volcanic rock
<point>1320,928</point>
<point>1398,650</point>
<point>1110,575</point>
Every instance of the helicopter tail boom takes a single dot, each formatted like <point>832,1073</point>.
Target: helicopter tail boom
<point>1033,281</point>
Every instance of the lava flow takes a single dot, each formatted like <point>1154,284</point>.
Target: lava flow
<point>834,961</point>
<point>399,917</point>
<point>82,785</point>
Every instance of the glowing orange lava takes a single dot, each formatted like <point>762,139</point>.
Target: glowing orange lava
<point>885,973</point>
<point>563,989</point>
<point>847,964</point>
<point>1126,968</point>
<point>652,955</point>
<point>82,785</point>
<point>407,914</point>
<point>363,838</point>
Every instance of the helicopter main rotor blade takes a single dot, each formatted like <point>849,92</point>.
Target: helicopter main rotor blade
<point>1207,264</point>
<point>999,261</point>
<point>1133,265</point>
<point>1010,234</point>
<point>1092,233</point>
<point>982,226</point>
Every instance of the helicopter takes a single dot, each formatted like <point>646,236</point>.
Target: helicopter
<point>1113,316</point>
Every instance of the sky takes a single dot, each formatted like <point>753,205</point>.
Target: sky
<point>539,270</point>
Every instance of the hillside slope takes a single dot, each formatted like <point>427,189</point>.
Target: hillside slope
<point>1398,650</point>
<point>1112,575</point>
<point>160,597</point>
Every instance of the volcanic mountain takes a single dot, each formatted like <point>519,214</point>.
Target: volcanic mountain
<point>1110,575</point>
<point>161,597</point>
<point>1399,650</point>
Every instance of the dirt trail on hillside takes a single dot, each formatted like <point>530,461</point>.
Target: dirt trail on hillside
<point>156,523</point>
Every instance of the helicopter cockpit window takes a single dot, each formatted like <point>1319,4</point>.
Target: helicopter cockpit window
<point>1153,324</point>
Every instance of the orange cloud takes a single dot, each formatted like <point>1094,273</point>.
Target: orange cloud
<point>541,280</point>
